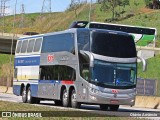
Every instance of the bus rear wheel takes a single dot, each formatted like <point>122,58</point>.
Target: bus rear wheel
<point>114,107</point>
<point>74,102</point>
<point>30,99</point>
<point>65,99</point>
<point>58,102</point>
<point>24,95</point>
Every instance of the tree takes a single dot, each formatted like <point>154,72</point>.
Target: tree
<point>153,4</point>
<point>112,4</point>
<point>109,5</point>
<point>123,4</point>
<point>75,4</point>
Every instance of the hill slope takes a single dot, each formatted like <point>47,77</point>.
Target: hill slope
<point>133,14</point>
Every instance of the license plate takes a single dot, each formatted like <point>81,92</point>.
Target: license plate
<point>114,101</point>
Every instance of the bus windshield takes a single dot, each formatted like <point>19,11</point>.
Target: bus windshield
<point>113,44</point>
<point>113,74</point>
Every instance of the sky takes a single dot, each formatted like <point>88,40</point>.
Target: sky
<point>32,6</point>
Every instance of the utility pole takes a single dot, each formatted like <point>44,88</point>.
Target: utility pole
<point>22,16</point>
<point>3,13</point>
<point>46,6</point>
<point>90,10</point>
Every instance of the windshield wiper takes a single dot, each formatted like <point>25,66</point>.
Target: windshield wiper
<point>126,83</point>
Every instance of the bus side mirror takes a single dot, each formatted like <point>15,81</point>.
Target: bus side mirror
<point>144,63</point>
<point>90,55</point>
<point>91,61</point>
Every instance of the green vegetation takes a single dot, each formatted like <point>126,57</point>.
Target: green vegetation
<point>10,106</point>
<point>132,13</point>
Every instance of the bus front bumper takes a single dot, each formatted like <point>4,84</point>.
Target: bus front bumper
<point>112,99</point>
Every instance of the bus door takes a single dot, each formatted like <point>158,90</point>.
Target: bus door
<point>48,85</point>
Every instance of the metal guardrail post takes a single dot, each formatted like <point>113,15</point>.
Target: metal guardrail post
<point>144,86</point>
<point>156,87</point>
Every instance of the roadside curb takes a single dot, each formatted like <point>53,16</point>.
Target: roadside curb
<point>10,90</point>
<point>3,89</point>
<point>147,102</point>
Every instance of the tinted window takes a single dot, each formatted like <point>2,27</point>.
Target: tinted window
<point>18,46</point>
<point>57,72</point>
<point>57,43</point>
<point>83,40</point>
<point>84,66</point>
<point>30,45</point>
<point>127,29</point>
<point>24,46</point>
<point>113,45</point>
<point>37,45</point>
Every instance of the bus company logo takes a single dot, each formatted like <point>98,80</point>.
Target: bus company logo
<point>50,58</point>
<point>64,58</point>
<point>115,91</point>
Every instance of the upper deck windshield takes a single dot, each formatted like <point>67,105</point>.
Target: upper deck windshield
<point>113,45</point>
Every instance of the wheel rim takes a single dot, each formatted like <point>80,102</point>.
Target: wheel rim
<point>74,98</point>
<point>29,95</point>
<point>65,97</point>
<point>24,95</point>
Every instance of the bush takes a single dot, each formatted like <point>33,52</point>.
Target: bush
<point>7,73</point>
<point>129,15</point>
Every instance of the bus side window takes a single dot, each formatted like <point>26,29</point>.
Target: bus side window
<point>24,46</point>
<point>30,45</point>
<point>84,66</point>
<point>19,44</point>
<point>85,72</point>
<point>37,45</point>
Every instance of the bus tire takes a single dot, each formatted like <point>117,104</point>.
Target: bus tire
<point>74,103</point>
<point>24,95</point>
<point>30,99</point>
<point>103,107</point>
<point>65,99</point>
<point>37,100</point>
<point>58,102</point>
<point>114,107</point>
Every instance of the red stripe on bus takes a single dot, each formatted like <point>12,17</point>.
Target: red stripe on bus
<point>67,82</point>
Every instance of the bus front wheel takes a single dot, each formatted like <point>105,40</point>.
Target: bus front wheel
<point>24,95</point>
<point>65,98</point>
<point>114,107</point>
<point>74,102</point>
<point>103,107</point>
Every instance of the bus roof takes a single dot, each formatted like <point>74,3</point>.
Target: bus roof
<point>72,30</point>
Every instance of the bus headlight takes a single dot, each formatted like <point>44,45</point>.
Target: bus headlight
<point>94,90</point>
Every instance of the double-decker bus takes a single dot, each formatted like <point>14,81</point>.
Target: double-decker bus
<point>77,66</point>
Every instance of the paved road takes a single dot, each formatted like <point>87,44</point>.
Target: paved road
<point>123,110</point>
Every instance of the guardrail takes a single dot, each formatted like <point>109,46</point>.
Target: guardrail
<point>148,87</point>
<point>11,35</point>
<point>147,48</point>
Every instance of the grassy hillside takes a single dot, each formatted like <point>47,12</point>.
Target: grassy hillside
<point>141,16</point>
